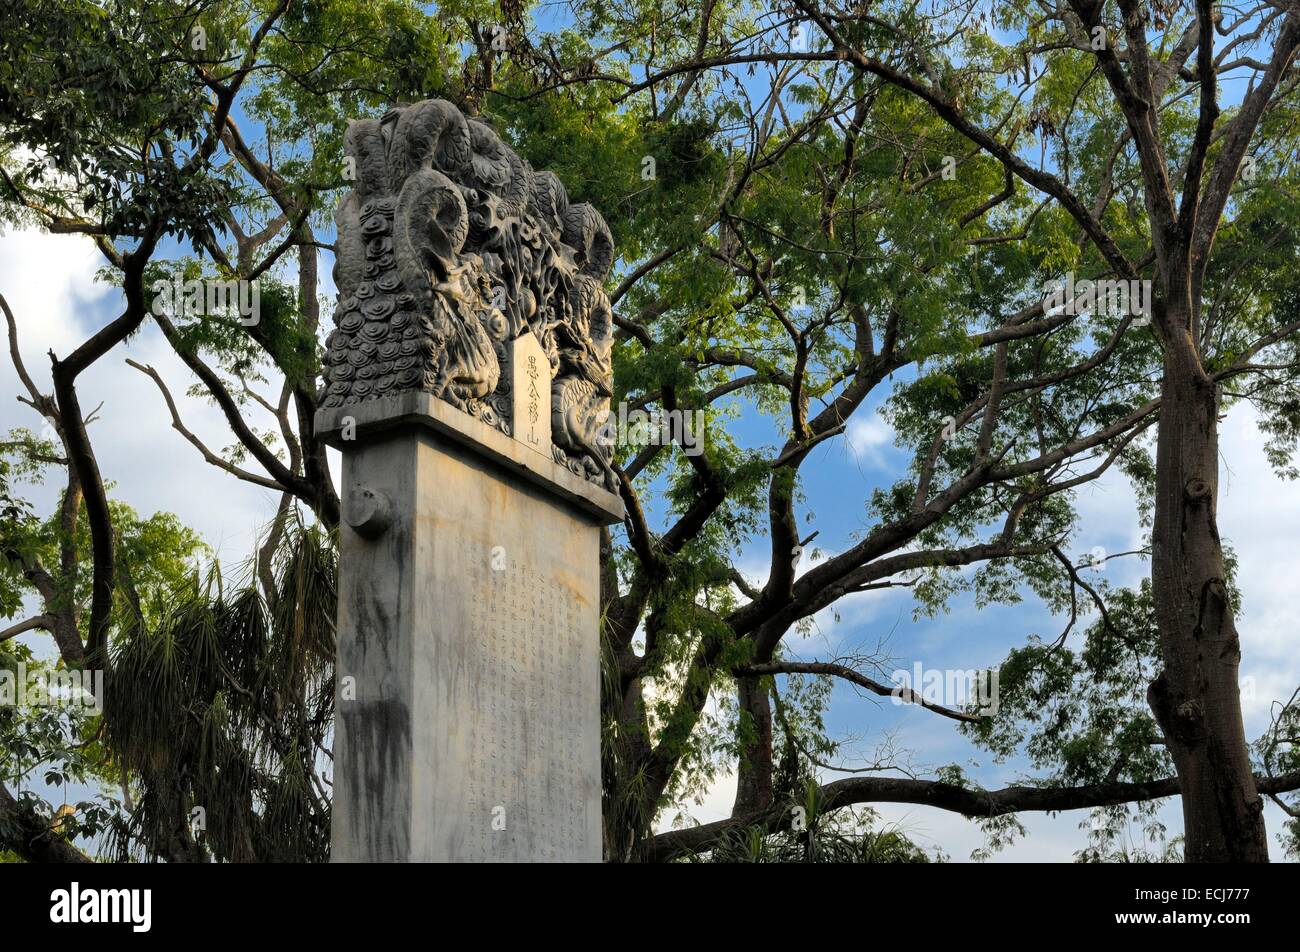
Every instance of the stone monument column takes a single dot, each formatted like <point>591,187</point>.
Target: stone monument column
<point>467,386</point>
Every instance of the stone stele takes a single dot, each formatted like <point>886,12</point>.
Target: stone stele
<point>467,385</point>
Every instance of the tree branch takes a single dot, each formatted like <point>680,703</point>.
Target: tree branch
<point>944,796</point>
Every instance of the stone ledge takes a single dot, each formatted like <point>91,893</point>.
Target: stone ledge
<point>415,409</point>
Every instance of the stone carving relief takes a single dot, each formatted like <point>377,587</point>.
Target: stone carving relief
<point>449,248</point>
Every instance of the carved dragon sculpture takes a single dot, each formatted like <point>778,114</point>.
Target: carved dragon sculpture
<point>449,247</point>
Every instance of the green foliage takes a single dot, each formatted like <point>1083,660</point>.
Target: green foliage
<point>845,836</point>
<point>55,743</point>
<point>220,710</point>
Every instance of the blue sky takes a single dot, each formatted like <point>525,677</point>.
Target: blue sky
<point>840,476</point>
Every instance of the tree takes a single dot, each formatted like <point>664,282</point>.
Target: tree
<point>808,224</point>
<point>1185,180</point>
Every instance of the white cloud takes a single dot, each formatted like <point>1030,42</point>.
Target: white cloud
<point>715,804</point>
<point>869,438</point>
<point>49,282</point>
<point>1259,517</point>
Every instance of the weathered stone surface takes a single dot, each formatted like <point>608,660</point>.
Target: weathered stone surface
<point>466,385</point>
<point>449,248</point>
<point>467,724</point>
<point>350,428</point>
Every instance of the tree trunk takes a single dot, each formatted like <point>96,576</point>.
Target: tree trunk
<point>316,465</point>
<point>628,809</point>
<point>754,782</point>
<point>30,836</point>
<point>1196,699</point>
